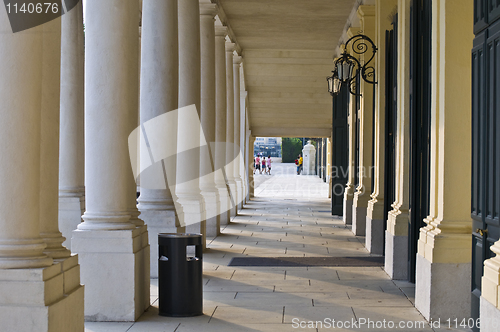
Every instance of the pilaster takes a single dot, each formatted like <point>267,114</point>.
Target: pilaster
<point>329,165</point>
<point>375,218</point>
<point>444,245</point>
<point>366,15</point>
<point>396,247</point>
<point>351,121</point>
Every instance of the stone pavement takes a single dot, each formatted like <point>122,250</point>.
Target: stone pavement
<point>289,217</point>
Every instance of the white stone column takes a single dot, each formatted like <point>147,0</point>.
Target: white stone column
<point>207,176</point>
<point>143,250</point>
<point>243,146</point>
<point>221,122</point>
<point>231,181</point>
<point>159,95</point>
<point>71,144</point>
<point>187,183</point>
<point>108,242</point>
<point>21,65</point>
<point>248,166</point>
<point>237,138</point>
<point>251,154</point>
<point>27,293</point>
<point>49,141</point>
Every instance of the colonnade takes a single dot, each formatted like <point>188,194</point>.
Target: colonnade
<point>67,152</point>
<point>444,243</point>
<point>40,279</point>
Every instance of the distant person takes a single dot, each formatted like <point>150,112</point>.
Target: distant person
<point>257,164</point>
<point>268,168</point>
<point>263,165</point>
<point>298,162</point>
<point>254,165</point>
<point>301,162</point>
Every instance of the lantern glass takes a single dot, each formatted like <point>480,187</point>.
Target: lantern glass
<point>340,71</point>
<point>344,69</point>
<point>330,84</point>
<point>347,65</point>
<point>336,85</point>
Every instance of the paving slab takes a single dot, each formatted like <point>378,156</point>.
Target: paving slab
<point>248,315</point>
<point>289,217</point>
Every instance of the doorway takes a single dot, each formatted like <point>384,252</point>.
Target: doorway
<point>420,113</point>
<point>485,205</point>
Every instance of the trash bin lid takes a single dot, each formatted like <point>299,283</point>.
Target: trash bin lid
<point>185,238</point>
<point>179,235</point>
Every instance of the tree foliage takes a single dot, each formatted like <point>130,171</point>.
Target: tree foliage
<point>290,149</point>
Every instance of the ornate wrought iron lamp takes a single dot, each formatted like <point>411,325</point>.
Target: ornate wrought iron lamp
<point>334,83</point>
<point>347,67</point>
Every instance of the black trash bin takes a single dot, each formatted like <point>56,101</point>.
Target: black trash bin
<point>180,274</point>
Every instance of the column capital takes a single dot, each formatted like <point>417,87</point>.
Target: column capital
<point>237,59</point>
<point>365,11</point>
<point>208,9</point>
<point>221,30</point>
<point>353,31</point>
<point>230,47</point>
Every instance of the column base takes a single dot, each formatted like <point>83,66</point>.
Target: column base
<point>199,228</point>
<point>71,209</point>
<point>244,194</point>
<point>396,256</point>
<point>234,197</point>
<point>375,236</point>
<point>212,211</point>
<point>159,221</point>
<point>42,300</point>
<point>239,199</point>
<point>347,215</point>
<point>145,268</point>
<point>225,205</point>
<point>490,316</point>
<point>192,217</point>
<point>359,219</point>
<point>438,298</point>
<point>113,272</point>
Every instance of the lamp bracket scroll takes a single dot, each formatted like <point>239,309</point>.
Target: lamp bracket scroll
<point>348,68</point>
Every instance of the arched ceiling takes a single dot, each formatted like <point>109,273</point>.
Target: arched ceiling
<point>287,46</point>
